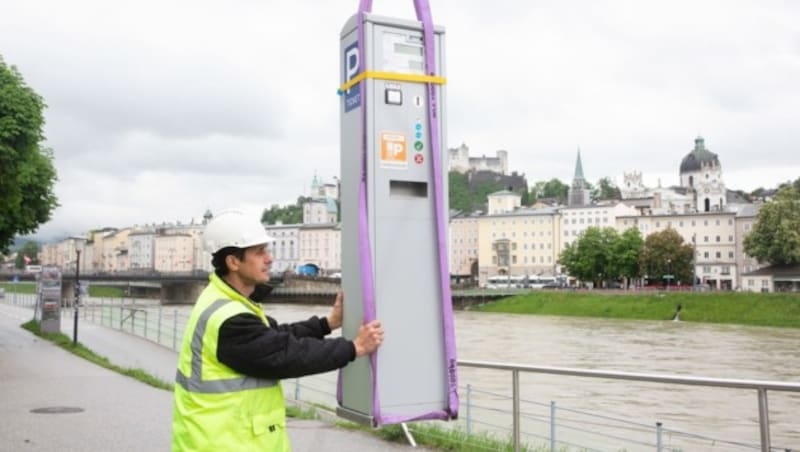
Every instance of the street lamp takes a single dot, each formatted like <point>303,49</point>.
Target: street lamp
<point>669,272</point>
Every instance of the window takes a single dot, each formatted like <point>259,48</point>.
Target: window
<point>680,223</point>
<point>717,239</point>
<point>705,238</point>
<point>730,238</point>
<point>719,255</point>
<point>658,224</point>
<point>494,260</point>
<point>514,259</point>
<point>730,254</point>
<point>705,255</point>
<point>750,282</point>
<point>693,223</point>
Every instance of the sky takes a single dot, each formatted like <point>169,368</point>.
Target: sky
<point>159,110</point>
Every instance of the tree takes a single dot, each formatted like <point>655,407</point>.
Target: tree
<point>27,174</point>
<point>460,198</point>
<point>553,188</point>
<point>30,250</point>
<point>625,254</point>
<point>465,199</point>
<point>606,189</point>
<point>775,237</point>
<point>664,253</point>
<point>590,257</point>
<point>290,214</point>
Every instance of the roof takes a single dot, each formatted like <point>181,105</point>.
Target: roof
<point>699,155</point>
<point>504,193</point>
<point>778,271</point>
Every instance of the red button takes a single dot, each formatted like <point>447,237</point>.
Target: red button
<point>418,158</point>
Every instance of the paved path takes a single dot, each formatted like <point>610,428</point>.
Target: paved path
<point>117,413</point>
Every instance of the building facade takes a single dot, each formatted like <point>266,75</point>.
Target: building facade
<point>460,161</point>
<point>463,247</point>
<point>286,247</point>
<point>518,243</point>
<point>320,244</point>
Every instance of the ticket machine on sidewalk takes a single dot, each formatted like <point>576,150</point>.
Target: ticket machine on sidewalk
<point>48,305</point>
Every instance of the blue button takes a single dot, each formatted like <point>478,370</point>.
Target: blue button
<point>419,135</point>
<point>419,126</point>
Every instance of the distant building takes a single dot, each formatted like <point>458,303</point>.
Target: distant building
<point>286,247</point>
<point>579,194</point>
<point>701,175</point>
<point>775,278</point>
<point>461,162</point>
<point>463,243</point>
<point>503,201</point>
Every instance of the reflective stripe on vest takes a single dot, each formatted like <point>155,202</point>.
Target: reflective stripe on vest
<point>195,382</point>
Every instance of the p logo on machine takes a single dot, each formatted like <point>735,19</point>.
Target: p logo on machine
<point>352,65</point>
<point>393,150</point>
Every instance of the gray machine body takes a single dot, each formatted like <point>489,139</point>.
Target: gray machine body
<point>48,311</point>
<point>412,373</point>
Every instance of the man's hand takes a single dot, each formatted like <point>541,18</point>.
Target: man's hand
<point>370,337</point>
<point>335,317</point>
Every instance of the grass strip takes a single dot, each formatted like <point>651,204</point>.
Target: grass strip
<point>65,342</point>
<point>756,309</point>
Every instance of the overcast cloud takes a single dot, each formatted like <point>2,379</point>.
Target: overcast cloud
<point>159,110</point>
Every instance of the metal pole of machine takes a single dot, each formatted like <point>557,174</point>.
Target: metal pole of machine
<point>77,298</point>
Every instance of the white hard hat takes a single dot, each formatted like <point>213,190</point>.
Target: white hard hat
<point>234,228</point>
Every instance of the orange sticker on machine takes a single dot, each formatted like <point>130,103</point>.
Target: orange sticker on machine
<point>393,150</point>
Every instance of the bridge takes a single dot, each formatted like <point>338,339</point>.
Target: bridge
<point>184,288</point>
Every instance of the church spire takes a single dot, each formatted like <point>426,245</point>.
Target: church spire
<point>579,167</point>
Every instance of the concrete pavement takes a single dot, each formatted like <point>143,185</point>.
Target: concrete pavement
<point>89,408</point>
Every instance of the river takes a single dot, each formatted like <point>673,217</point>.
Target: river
<point>724,416</point>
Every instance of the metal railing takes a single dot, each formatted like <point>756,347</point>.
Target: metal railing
<point>164,326</point>
<point>761,388</point>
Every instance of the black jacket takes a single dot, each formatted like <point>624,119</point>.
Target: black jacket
<point>248,346</point>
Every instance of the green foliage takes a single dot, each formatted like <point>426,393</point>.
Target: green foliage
<point>460,196</point>
<point>27,174</point>
<point>447,439</point>
<point>625,254</point>
<point>776,310</point>
<point>106,291</point>
<point>297,412</point>
<point>606,189</point>
<point>665,253</point>
<point>20,287</point>
<point>30,249</point>
<point>775,237</point>
<point>589,257</point>
<point>465,199</point>
<point>554,188</point>
<point>65,342</point>
<point>290,214</point>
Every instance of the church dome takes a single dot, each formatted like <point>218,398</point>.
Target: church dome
<point>700,155</point>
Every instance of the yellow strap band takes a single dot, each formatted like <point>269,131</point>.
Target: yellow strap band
<point>393,76</point>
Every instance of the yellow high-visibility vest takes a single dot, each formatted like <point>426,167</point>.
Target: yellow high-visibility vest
<point>217,408</point>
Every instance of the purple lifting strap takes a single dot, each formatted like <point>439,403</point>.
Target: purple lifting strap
<point>368,285</point>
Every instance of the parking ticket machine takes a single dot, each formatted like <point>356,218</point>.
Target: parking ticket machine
<point>394,220</point>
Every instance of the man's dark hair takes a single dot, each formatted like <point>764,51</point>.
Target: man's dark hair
<point>218,259</point>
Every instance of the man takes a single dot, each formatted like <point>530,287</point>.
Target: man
<point>227,393</point>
